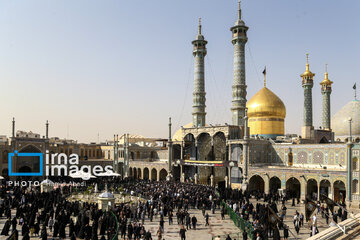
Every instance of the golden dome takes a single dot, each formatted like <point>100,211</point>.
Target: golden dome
<point>266,104</point>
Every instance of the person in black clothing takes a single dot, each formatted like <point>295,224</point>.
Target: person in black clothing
<point>162,223</point>
<point>170,218</point>
<point>26,236</point>
<point>5,230</point>
<point>276,234</point>
<point>43,233</point>
<point>130,231</point>
<point>148,236</point>
<point>182,233</point>
<point>207,219</point>
<point>228,237</point>
<point>222,213</point>
<point>244,235</point>
<point>194,221</point>
<point>286,232</point>
<point>188,221</point>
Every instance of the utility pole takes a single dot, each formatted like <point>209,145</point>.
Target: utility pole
<point>127,155</point>
<point>170,152</point>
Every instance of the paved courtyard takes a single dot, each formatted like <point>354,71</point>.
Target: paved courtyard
<point>217,226</point>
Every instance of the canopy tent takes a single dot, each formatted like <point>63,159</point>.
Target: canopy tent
<point>108,174</point>
<point>47,182</point>
<point>82,174</point>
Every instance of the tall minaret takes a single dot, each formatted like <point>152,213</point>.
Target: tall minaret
<point>307,84</point>
<point>239,40</point>
<point>326,91</point>
<point>199,53</point>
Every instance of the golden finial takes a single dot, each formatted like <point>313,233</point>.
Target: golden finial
<point>326,80</point>
<point>307,72</point>
<point>326,73</point>
<point>307,62</point>
<point>199,26</point>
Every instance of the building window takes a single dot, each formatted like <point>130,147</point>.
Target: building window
<point>355,165</point>
<point>355,186</point>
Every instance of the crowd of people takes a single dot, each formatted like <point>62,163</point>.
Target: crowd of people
<point>52,216</point>
<point>259,215</point>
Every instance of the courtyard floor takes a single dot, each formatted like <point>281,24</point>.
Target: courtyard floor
<point>217,226</point>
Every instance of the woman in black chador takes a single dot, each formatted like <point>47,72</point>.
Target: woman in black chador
<point>6,228</point>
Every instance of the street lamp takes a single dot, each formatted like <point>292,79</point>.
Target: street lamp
<point>350,137</point>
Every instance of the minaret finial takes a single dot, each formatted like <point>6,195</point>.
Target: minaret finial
<point>307,62</point>
<point>199,26</point>
<point>354,87</point>
<point>264,72</point>
<point>326,73</point>
<point>239,10</point>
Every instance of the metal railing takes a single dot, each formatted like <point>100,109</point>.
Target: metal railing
<point>241,223</point>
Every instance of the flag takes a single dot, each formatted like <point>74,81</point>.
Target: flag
<point>330,203</point>
<point>310,207</point>
<point>273,218</point>
<point>354,87</point>
<point>264,72</point>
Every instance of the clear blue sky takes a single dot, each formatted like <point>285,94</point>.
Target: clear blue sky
<point>125,66</point>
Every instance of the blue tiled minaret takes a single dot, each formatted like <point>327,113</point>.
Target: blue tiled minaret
<point>307,84</point>
<point>239,40</point>
<point>199,98</point>
<point>326,92</point>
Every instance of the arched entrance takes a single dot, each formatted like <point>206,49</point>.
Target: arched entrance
<point>154,174</point>
<point>189,147</point>
<point>27,164</point>
<point>25,169</point>
<point>293,188</point>
<point>146,173</point>
<point>219,146</point>
<point>131,172</point>
<point>205,150</point>
<point>312,189</point>
<point>139,173</point>
<point>135,173</point>
<point>163,173</point>
<point>275,184</point>
<point>325,188</point>
<point>256,183</point>
<point>339,191</point>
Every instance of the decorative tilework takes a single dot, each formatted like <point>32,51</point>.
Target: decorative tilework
<point>318,157</point>
<point>342,158</point>
<point>302,157</point>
